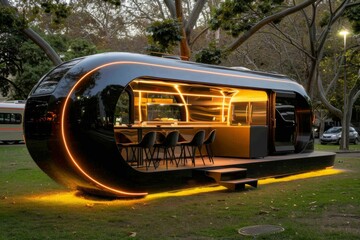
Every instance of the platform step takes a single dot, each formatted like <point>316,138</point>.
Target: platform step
<point>225,174</point>
<point>239,184</point>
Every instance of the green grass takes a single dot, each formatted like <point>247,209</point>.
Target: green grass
<point>334,147</point>
<point>32,206</point>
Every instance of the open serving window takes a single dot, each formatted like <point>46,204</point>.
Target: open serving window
<point>169,101</point>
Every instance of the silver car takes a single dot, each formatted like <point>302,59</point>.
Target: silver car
<point>333,135</point>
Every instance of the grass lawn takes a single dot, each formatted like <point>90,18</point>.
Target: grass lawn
<point>32,206</point>
<point>333,147</point>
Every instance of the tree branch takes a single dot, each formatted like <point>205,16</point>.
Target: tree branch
<point>22,93</point>
<point>266,21</point>
<point>194,16</point>
<point>171,6</point>
<point>199,35</point>
<point>324,100</point>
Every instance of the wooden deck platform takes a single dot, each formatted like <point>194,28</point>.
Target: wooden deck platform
<point>270,166</point>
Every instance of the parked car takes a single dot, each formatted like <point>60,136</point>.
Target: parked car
<point>333,135</point>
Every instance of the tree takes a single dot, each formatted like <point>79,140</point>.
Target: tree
<point>10,54</point>
<point>163,36</point>
<point>317,49</point>
<point>98,21</point>
<point>36,63</point>
<point>319,21</point>
<point>53,56</point>
<point>22,63</point>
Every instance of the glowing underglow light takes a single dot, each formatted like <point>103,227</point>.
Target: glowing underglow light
<point>320,173</point>
<point>71,197</point>
<point>183,99</point>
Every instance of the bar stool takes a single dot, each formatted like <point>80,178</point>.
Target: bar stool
<point>123,142</point>
<point>146,143</point>
<point>168,145</point>
<point>208,142</point>
<point>195,143</point>
<point>160,138</point>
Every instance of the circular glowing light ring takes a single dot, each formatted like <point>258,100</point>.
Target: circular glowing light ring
<point>97,182</point>
<point>64,138</point>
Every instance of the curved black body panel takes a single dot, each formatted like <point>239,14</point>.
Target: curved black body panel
<point>69,122</point>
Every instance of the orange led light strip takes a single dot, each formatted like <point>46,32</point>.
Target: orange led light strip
<point>158,82</point>
<point>139,107</point>
<point>64,138</point>
<point>229,110</point>
<point>181,93</point>
<point>223,107</point>
<point>198,71</point>
<point>183,99</point>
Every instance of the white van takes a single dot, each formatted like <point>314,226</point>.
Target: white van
<point>11,121</point>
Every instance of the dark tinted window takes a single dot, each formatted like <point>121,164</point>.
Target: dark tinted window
<point>50,81</point>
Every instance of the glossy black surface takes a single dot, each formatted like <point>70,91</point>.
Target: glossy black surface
<point>85,96</point>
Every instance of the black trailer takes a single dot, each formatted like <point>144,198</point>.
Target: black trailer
<point>78,115</point>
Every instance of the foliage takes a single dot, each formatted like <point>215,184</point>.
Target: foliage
<point>353,14</point>
<point>36,63</point>
<point>237,16</point>
<point>79,48</point>
<point>210,55</point>
<point>99,22</point>
<point>10,54</point>
<point>23,61</point>
<point>55,11</point>
<point>164,35</point>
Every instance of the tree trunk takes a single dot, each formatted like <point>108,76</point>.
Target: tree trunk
<point>184,46</point>
<point>345,122</point>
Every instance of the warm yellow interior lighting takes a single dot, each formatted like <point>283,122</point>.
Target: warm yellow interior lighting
<point>156,92</point>
<point>158,82</point>
<point>223,107</point>
<point>182,93</point>
<point>250,96</point>
<point>229,108</point>
<point>183,100</point>
<point>139,106</point>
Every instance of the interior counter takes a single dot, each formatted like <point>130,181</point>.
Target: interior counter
<point>241,141</point>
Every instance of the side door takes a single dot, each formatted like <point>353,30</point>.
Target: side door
<point>283,122</point>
